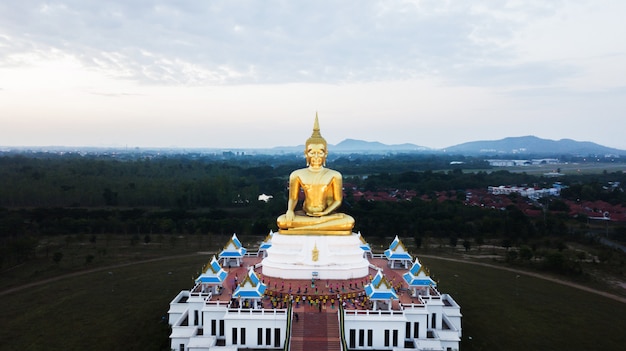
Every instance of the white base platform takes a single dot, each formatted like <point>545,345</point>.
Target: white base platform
<point>339,257</point>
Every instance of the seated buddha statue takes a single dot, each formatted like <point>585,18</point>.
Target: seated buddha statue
<point>323,194</point>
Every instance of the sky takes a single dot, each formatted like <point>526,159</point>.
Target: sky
<point>253,74</point>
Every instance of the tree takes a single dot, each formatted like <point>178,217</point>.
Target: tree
<point>57,257</point>
<point>511,256</point>
<point>506,243</point>
<point>467,245</point>
<point>110,197</point>
<point>418,241</point>
<point>479,241</point>
<point>23,248</point>
<point>453,241</point>
<point>554,261</point>
<point>525,253</point>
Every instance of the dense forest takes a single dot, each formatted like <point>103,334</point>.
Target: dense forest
<point>52,195</point>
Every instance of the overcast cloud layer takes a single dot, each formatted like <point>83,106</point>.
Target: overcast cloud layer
<point>254,73</point>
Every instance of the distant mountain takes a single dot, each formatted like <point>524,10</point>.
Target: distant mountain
<point>525,145</point>
<point>531,145</point>
<point>352,145</point>
<point>359,146</point>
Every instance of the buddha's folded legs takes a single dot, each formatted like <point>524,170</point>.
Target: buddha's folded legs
<point>335,221</point>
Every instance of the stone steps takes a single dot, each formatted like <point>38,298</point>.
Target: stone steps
<point>316,331</point>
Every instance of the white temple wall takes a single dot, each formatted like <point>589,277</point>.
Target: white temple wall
<point>177,308</point>
<point>175,343</point>
<point>213,321</point>
<point>242,328</point>
<point>453,312</point>
<point>336,257</point>
<point>418,319</point>
<point>384,330</point>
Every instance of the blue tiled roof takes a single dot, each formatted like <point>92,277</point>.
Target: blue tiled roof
<point>233,248</point>
<point>239,253</point>
<point>416,267</point>
<point>236,241</point>
<point>394,243</point>
<point>418,281</point>
<point>380,289</point>
<point>397,255</point>
<point>418,276</point>
<point>397,251</point>
<point>239,292</point>
<point>383,295</point>
<point>209,279</point>
<point>251,287</point>
<point>213,273</point>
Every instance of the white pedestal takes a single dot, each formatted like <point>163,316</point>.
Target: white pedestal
<point>339,257</point>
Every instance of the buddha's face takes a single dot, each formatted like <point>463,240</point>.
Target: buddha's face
<point>315,155</point>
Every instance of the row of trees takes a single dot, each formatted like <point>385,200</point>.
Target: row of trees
<point>184,182</point>
<point>377,220</point>
<point>72,195</point>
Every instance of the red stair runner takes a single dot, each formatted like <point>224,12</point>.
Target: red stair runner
<point>316,331</point>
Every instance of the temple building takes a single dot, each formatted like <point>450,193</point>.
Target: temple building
<point>314,284</point>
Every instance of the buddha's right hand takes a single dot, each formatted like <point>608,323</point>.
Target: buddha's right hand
<point>289,216</point>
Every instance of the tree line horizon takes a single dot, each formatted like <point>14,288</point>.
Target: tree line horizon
<point>72,195</point>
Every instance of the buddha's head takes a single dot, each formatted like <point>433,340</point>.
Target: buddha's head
<point>315,148</point>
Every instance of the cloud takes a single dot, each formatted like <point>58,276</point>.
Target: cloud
<point>232,42</point>
<point>386,70</point>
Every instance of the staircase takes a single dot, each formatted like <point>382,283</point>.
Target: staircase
<point>315,332</point>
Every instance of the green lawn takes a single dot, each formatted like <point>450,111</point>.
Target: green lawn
<point>117,309</point>
<point>123,310</point>
<point>506,311</point>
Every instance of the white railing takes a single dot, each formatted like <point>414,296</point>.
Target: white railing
<point>412,305</point>
<point>262,311</point>
<point>216,303</point>
<point>366,313</point>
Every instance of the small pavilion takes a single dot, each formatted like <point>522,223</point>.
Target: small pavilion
<point>397,255</point>
<point>380,290</point>
<point>233,253</point>
<point>266,244</point>
<point>418,279</point>
<point>250,292</point>
<point>212,277</point>
<point>365,246</point>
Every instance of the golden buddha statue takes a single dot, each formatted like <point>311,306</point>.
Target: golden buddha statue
<point>323,192</point>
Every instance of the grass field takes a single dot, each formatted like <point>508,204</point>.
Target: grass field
<point>565,168</point>
<point>569,168</point>
<point>117,309</point>
<point>122,309</point>
<point>506,311</point>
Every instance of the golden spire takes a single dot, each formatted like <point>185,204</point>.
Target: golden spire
<point>316,137</point>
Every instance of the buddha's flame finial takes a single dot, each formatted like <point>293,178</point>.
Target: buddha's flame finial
<point>316,137</point>
<point>316,124</point>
